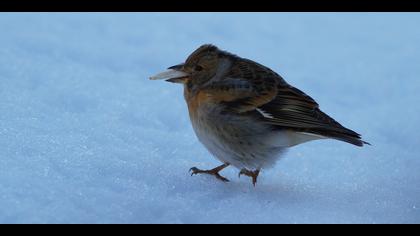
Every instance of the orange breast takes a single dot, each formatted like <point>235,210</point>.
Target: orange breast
<point>194,102</point>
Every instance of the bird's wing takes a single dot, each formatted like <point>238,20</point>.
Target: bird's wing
<point>251,87</point>
<point>245,87</point>
<point>293,109</point>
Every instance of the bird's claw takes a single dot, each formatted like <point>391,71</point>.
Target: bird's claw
<point>252,174</point>
<point>194,171</point>
<point>215,172</point>
<point>242,172</point>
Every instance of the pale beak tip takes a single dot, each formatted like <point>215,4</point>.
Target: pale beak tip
<point>169,74</point>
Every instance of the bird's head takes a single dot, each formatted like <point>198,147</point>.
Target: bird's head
<point>201,66</point>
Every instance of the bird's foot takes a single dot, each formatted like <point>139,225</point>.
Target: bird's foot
<point>252,174</point>
<point>214,171</point>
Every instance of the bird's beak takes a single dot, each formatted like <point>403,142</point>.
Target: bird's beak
<point>173,74</point>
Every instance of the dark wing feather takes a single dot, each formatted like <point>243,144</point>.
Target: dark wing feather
<point>293,109</point>
<point>284,105</point>
<point>245,87</point>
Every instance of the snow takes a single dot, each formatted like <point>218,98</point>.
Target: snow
<point>85,137</point>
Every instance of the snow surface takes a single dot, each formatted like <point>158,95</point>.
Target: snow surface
<point>85,137</point>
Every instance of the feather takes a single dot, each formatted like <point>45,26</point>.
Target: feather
<point>255,87</point>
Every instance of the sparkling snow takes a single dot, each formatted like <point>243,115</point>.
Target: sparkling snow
<point>85,137</point>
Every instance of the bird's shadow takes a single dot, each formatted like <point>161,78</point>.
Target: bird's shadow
<point>278,190</point>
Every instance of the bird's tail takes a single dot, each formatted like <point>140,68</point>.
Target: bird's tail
<point>354,139</point>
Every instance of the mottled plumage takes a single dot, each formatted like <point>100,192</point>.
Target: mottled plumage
<point>247,115</point>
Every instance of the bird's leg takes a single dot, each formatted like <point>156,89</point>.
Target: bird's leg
<point>252,174</point>
<point>214,171</point>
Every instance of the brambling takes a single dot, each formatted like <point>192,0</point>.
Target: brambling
<point>245,114</point>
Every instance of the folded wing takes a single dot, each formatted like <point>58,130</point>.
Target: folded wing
<point>251,87</point>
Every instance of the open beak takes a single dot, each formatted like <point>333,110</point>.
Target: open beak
<point>173,74</point>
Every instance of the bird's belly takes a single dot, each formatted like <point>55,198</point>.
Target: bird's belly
<point>237,140</point>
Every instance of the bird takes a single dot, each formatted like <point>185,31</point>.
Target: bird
<point>247,115</point>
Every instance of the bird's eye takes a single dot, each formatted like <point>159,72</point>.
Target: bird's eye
<point>198,68</point>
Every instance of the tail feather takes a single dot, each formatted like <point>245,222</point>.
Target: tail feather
<point>352,139</point>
